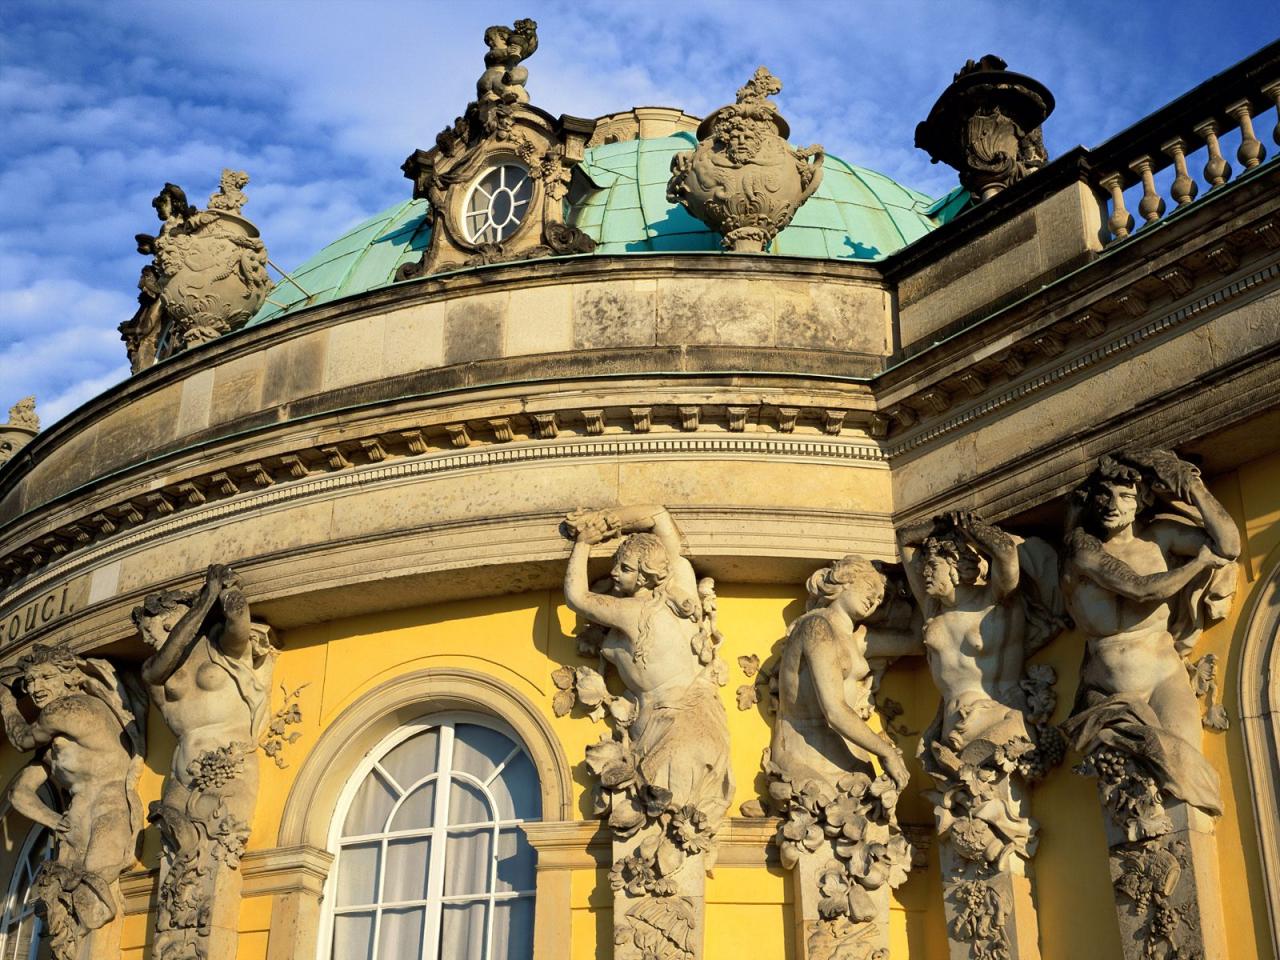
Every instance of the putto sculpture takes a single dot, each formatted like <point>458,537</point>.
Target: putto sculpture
<point>23,424</point>
<point>664,778</point>
<point>744,180</point>
<point>1149,563</point>
<point>89,733</point>
<point>210,676</point>
<point>497,177</point>
<point>988,600</point>
<point>208,273</point>
<point>987,126</point>
<point>839,830</point>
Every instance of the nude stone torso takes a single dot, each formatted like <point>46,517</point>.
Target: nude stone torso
<point>1129,646</point>
<point>203,707</point>
<point>669,664</point>
<point>803,736</point>
<point>974,647</point>
<point>86,756</point>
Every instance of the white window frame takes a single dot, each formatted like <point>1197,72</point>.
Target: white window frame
<point>476,236</point>
<point>435,899</point>
<point>17,912</point>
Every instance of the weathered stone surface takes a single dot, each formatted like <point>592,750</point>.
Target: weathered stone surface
<point>613,315</point>
<point>744,180</point>
<point>664,776</point>
<point>474,329</point>
<point>210,675</point>
<point>90,734</point>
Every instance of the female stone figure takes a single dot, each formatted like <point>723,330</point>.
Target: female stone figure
<point>839,831</point>
<point>210,676</point>
<point>665,781</point>
<point>91,746</point>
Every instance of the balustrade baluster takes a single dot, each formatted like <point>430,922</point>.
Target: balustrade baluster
<point>1184,188</point>
<point>1120,221</point>
<point>1151,206</point>
<point>1217,171</point>
<point>1251,152</point>
<point>1272,90</point>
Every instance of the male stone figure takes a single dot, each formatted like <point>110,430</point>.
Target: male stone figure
<point>210,677</point>
<point>1148,563</point>
<point>839,832</point>
<point>90,739</point>
<point>665,781</point>
<point>988,600</point>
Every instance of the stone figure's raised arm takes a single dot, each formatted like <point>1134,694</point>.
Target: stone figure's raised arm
<point>822,650</point>
<point>237,633</point>
<point>25,797</point>
<point>999,547</point>
<point>21,734</point>
<point>910,539</point>
<point>1118,577</point>
<point>186,632</point>
<point>597,607</point>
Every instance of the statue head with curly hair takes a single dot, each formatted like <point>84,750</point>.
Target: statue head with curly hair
<point>640,563</point>
<point>853,582</point>
<point>51,673</point>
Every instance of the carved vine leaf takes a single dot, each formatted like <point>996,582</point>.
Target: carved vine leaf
<point>747,696</point>
<point>277,734</point>
<point>750,665</point>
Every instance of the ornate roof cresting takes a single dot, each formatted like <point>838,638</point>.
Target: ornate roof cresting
<point>744,180</point>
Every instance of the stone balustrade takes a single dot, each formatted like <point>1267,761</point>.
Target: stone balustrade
<point>1161,155</point>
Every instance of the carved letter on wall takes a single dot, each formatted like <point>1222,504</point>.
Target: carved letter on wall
<point>664,777</point>
<point>89,727</point>
<point>988,600</point>
<point>211,678</point>
<point>1149,564</point>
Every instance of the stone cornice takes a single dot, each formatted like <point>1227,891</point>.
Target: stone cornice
<point>227,486</point>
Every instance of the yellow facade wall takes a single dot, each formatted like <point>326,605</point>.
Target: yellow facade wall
<point>521,639</point>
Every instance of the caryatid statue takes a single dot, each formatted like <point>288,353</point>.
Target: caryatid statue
<point>1148,564</point>
<point>839,831</point>
<point>665,781</point>
<point>89,731</point>
<point>210,676</point>
<point>988,600</point>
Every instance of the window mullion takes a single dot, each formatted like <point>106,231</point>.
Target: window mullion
<point>491,887</point>
<point>439,841</point>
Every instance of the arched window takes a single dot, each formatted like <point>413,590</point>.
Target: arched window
<point>430,860</point>
<point>20,928</point>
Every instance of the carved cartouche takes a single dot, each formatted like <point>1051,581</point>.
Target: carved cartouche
<point>744,180</point>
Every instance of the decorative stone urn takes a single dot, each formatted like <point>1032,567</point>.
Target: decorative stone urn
<point>987,126</point>
<point>214,266</point>
<point>744,180</point>
<point>208,273</point>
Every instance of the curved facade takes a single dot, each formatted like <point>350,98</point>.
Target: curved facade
<point>386,464</point>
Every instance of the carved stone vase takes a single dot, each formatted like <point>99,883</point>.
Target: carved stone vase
<point>214,274</point>
<point>987,126</point>
<point>744,180</point>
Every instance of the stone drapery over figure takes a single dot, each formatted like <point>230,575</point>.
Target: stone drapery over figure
<point>989,599</point>
<point>744,180</point>
<point>1149,563</point>
<point>208,273</point>
<point>664,777</point>
<point>89,730</point>
<point>210,676</point>
<point>839,832</point>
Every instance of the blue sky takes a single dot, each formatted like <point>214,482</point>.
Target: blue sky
<point>320,101</point>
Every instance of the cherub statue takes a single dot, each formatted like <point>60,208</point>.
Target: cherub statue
<point>503,79</point>
<point>89,731</point>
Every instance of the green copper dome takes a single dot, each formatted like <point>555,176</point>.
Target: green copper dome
<point>856,214</point>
